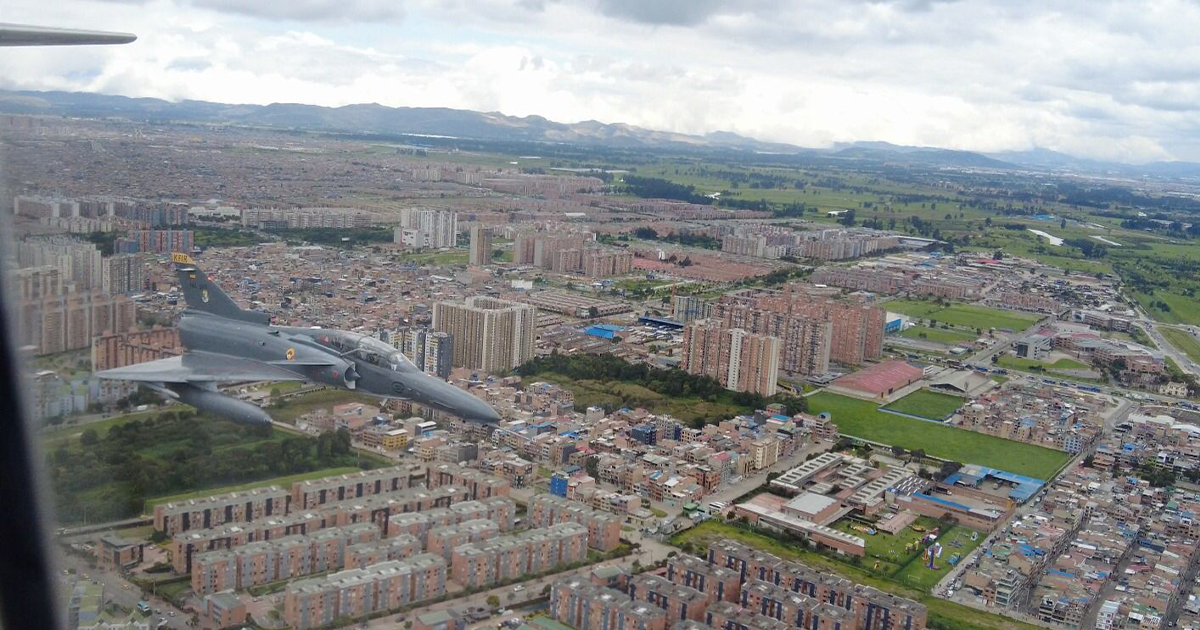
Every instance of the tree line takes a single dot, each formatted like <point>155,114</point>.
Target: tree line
<point>673,383</point>
<point>110,477</point>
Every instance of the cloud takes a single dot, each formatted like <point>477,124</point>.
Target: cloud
<point>302,10</point>
<point>671,12</point>
<point>1116,80</point>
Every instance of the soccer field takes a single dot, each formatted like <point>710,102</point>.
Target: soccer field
<point>927,404</point>
<point>963,315</point>
<point>863,419</point>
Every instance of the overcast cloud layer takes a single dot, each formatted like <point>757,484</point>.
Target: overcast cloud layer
<point>1116,80</point>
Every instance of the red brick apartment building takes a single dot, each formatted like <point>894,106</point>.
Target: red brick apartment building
<point>604,530</point>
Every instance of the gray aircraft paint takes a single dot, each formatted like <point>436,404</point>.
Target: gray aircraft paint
<point>215,331</point>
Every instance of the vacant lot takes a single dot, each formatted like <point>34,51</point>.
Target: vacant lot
<point>1019,363</point>
<point>947,336</point>
<point>963,315</point>
<point>863,419</point>
<point>1183,341</point>
<point>927,404</point>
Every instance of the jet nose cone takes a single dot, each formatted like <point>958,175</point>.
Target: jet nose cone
<point>487,414</point>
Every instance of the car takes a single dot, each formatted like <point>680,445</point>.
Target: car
<point>518,588</point>
<point>172,613</point>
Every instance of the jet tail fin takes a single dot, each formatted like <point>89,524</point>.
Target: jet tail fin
<point>201,294</point>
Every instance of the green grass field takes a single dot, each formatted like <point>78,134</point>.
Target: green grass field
<point>1018,363</point>
<point>1184,341</point>
<point>944,613</point>
<point>619,394</point>
<point>927,404</point>
<point>955,542</point>
<point>295,407</point>
<point>439,259</point>
<point>891,552</point>
<point>949,337</point>
<point>963,315</point>
<point>860,418</point>
<point>283,482</point>
<point>58,436</point>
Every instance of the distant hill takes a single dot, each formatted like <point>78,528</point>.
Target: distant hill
<point>371,118</point>
<point>494,126</point>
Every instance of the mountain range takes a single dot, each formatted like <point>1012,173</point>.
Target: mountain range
<point>444,122</point>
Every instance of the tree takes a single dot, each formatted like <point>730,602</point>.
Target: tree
<point>493,601</point>
<point>89,437</point>
<point>592,466</point>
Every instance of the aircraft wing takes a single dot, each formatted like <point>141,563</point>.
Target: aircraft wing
<point>202,367</point>
<point>27,35</point>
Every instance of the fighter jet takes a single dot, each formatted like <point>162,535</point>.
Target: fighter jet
<point>227,344</point>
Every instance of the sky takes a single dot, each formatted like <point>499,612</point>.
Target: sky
<point>1105,79</point>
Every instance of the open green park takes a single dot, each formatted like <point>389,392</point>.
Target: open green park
<point>114,468</point>
<point>962,315</point>
<point>1183,341</point>
<point>927,404</point>
<point>911,582</point>
<point>863,419</point>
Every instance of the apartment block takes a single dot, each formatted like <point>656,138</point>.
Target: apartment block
<point>421,228</point>
<point>768,580</point>
<point>362,555</point>
<point>282,558</point>
<point>586,606</point>
<point>532,551</point>
<point>805,342</point>
<point>55,316</point>
<point>740,361</point>
<point>604,530</point>
<point>716,582</point>
<point>303,218</point>
<point>727,616</point>
<point>114,553</point>
<point>480,251</point>
<point>235,507</point>
<point>489,334</point>
<point>224,610</point>
<point>680,602</point>
<point>359,592</point>
<point>443,540</point>
<point>155,242</point>
<point>128,348</point>
<point>499,510</point>
<point>479,485</point>
<point>306,495</point>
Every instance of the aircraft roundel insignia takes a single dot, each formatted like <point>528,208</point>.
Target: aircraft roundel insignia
<point>291,354</point>
<point>204,294</point>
